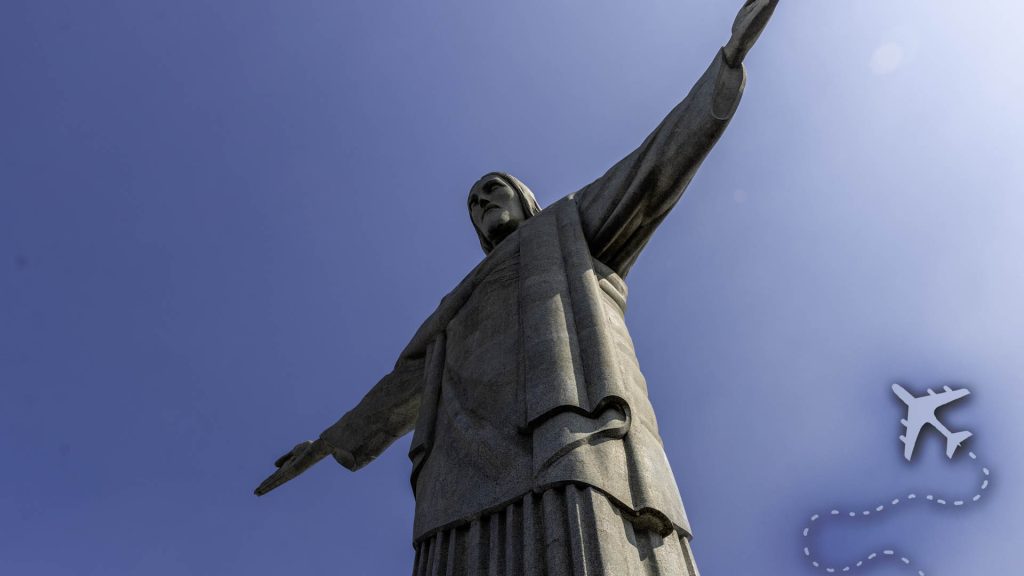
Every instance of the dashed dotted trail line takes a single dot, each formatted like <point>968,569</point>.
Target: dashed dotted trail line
<point>890,554</point>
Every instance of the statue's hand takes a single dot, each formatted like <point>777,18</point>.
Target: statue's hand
<point>749,24</point>
<point>295,462</point>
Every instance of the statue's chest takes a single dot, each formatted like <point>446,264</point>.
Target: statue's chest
<point>482,351</point>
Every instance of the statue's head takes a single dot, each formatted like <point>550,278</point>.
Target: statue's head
<point>498,204</point>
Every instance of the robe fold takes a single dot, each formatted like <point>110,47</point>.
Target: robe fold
<point>524,379</point>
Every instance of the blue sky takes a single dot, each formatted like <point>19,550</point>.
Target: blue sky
<point>220,223</point>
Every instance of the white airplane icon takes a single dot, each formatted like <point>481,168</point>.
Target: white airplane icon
<point>921,411</point>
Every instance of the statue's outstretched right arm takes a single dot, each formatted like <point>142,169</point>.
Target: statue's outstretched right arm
<point>390,409</point>
<point>387,412</point>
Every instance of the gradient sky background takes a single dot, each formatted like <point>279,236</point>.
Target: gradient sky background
<point>221,221</point>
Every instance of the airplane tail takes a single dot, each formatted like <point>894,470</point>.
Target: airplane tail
<point>954,441</point>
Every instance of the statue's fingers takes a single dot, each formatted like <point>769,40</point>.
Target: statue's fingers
<point>763,17</point>
<point>759,8</point>
<point>744,14</point>
<point>304,461</point>
<point>769,7</point>
<point>757,22</point>
<point>280,461</point>
<point>273,481</point>
<point>266,486</point>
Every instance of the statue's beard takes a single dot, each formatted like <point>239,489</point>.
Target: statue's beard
<point>501,230</point>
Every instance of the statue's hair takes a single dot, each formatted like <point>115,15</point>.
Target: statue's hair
<point>526,199</point>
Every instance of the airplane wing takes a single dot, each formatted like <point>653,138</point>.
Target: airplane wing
<point>933,400</point>
<point>910,437</point>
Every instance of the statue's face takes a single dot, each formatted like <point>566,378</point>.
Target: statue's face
<point>495,208</point>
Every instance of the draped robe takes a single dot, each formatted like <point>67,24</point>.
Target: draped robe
<point>525,378</point>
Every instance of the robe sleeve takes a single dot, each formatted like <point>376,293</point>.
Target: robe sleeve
<point>388,411</point>
<point>385,414</point>
<point>620,210</point>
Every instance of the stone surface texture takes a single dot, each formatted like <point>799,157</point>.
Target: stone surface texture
<point>535,449</point>
<point>525,379</point>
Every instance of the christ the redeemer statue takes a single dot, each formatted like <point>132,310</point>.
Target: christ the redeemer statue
<point>535,448</point>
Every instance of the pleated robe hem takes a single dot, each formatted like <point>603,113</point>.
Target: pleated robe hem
<point>570,530</point>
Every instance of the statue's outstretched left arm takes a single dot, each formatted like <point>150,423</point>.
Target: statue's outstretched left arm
<point>621,209</point>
